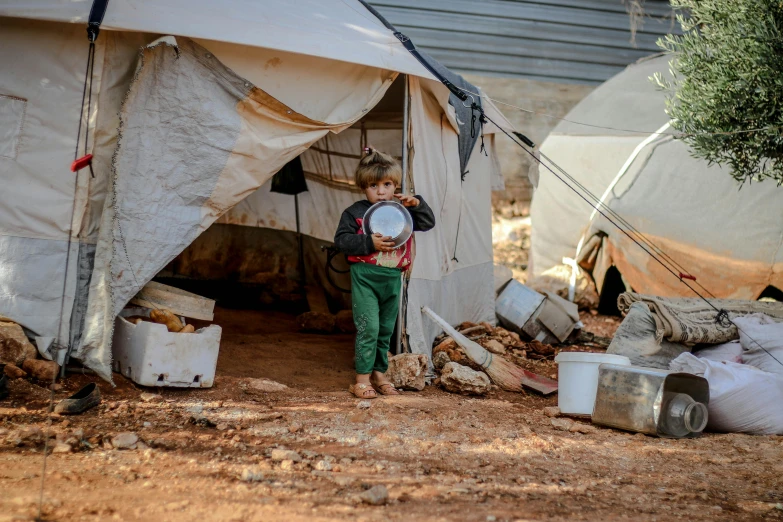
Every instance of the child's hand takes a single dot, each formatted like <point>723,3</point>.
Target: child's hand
<point>382,243</point>
<point>408,201</point>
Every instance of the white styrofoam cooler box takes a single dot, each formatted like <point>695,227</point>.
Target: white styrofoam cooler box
<point>148,354</point>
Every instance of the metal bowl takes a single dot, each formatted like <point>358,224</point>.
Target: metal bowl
<point>390,219</point>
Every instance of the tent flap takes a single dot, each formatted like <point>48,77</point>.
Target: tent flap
<point>195,139</point>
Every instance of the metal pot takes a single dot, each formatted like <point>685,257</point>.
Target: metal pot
<point>389,218</point>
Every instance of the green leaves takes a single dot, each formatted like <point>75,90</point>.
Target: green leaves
<point>726,91</point>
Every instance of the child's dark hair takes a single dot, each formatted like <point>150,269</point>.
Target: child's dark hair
<point>377,166</point>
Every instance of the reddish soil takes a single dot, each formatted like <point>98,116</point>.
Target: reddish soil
<point>441,456</point>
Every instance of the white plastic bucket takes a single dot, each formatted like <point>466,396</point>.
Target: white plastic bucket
<point>577,379</point>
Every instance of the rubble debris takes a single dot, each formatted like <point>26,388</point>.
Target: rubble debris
<point>493,346</point>
<point>344,321</point>
<point>579,427</point>
<point>364,405</point>
<point>150,397</point>
<point>15,348</point>
<point>266,385</point>
<point>316,322</point>
<point>552,411</point>
<point>252,474</point>
<point>14,372</point>
<point>562,424</point>
<point>407,371</point>
<point>62,447</point>
<point>504,373</point>
<point>323,465</point>
<point>440,359</point>
<point>457,378</point>
<point>125,440</point>
<point>375,496</point>
<point>455,353</point>
<point>279,455</point>
<point>41,369</point>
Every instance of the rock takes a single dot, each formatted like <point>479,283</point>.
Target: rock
<point>552,411</point>
<point>251,475</point>
<point>41,369</point>
<point>150,397</point>
<point>62,447</point>
<point>56,387</point>
<point>494,346</point>
<point>283,454</point>
<point>14,372</point>
<point>293,428</point>
<point>323,465</point>
<point>317,322</point>
<point>125,440</point>
<point>263,417</point>
<point>344,321</point>
<point>461,379</point>
<point>15,348</point>
<point>562,424</point>
<point>578,427</point>
<point>364,405</point>
<point>376,495</point>
<point>287,465</point>
<point>266,385</point>
<point>440,359</point>
<point>407,371</point>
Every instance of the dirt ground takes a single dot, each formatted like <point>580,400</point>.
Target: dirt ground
<point>210,454</point>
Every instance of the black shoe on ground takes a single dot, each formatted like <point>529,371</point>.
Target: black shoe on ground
<point>81,401</point>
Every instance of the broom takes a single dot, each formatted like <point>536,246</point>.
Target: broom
<point>504,373</point>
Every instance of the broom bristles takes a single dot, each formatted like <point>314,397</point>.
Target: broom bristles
<point>502,372</point>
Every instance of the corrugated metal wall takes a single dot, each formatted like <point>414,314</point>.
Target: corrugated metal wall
<point>575,41</point>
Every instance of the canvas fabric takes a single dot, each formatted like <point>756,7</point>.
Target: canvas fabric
<point>694,212</point>
<point>692,321</point>
<point>158,186</point>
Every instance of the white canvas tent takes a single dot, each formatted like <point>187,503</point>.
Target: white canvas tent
<point>727,236</point>
<point>195,106</point>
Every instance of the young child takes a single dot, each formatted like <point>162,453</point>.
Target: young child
<point>375,270</point>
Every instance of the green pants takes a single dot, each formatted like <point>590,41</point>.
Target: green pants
<point>375,295</point>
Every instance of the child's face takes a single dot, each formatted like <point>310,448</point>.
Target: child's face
<point>381,191</point>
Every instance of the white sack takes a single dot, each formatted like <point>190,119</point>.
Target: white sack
<point>759,332</point>
<point>728,352</point>
<point>742,398</point>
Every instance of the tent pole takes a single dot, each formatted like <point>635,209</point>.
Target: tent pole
<point>398,342</point>
<point>302,276</point>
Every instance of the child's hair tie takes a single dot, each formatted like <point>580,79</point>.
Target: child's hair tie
<point>367,151</point>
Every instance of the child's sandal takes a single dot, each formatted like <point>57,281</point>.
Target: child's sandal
<point>361,391</point>
<point>386,388</point>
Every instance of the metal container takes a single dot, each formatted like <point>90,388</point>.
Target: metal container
<point>390,219</point>
<point>639,399</point>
